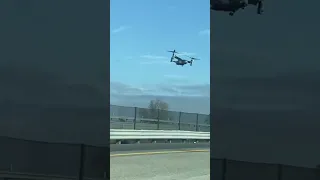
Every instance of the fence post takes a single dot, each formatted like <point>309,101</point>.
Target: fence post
<point>224,169</point>
<point>318,171</point>
<point>82,161</point>
<point>135,118</point>
<point>279,176</point>
<point>158,124</point>
<point>179,124</point>
<point>197,122</point>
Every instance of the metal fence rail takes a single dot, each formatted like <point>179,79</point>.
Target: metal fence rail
<point>147,119</point>
<point>224,169</point>
<point>52,159</point>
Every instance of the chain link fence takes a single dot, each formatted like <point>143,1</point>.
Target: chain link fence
<point>224,169</point>
<point>154,119</point>
<point>53,159</point>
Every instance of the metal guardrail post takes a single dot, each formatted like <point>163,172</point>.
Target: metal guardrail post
<point>135,118</point>
<point>224,169</point>
<point>179,124</point>
<point>318,171</point>
<point>279,175</point>
<point>158,123</point>
<point>197,122</point>
<point>82,161</point>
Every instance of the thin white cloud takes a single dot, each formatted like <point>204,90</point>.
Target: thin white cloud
<point>161,89</point>
<point>191,104</point>
<point>128,58</point>
<point>173,76</point>
<point>154,62</point>
<point>153,57</point>
<point>205,32</point>
<point>186,54</point>
<point>125,89</point>
<point>189,98</point>
<point>119,29</point>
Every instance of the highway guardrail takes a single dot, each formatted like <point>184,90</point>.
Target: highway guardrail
<point>128,134</point>
<point>29,176</point>
<point>17,175</point>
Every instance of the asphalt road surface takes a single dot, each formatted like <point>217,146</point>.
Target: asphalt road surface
<point>190,164</point>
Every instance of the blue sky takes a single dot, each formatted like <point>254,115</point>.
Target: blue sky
<point>141,33</point>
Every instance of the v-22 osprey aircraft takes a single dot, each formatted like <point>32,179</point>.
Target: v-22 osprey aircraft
<point>233,6</point>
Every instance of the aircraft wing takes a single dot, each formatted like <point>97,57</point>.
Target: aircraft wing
<point>253,2</point>
<point>219,2</point>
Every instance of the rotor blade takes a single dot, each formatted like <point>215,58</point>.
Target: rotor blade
<point>193,58</point>
<point>174,52</point>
